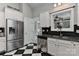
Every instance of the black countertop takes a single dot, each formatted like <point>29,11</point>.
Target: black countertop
<point>67,38</point>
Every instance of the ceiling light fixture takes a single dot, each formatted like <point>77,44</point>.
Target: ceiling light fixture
<point>59,3</point>
<point>55,5</point>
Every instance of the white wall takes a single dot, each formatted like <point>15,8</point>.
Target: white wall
<point>45,7</point>
<point>27,11</point>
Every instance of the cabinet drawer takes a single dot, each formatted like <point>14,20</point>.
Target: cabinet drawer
<point>64,43</point>
<point>52,39</point>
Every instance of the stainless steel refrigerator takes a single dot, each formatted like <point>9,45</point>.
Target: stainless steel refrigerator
<point>14,34</point>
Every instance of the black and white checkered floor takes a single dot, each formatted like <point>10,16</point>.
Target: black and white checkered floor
<point>27,50</point>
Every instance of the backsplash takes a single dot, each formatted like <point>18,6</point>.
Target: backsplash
<point>47,30</point>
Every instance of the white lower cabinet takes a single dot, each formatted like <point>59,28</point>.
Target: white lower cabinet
<point>51,47</point>
<point>61,47</point>
<point>76,48</point>
<point>2,45</point>
<point>65,51</point>
<point>65,48</point>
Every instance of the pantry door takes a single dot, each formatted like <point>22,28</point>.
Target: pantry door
<point>28,30</point>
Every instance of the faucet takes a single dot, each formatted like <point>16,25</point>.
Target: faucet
<point>60,33</point>
<point>59,25</point>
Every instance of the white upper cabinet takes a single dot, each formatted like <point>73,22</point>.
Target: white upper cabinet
<point>65,18</point>
<point>13,14</point>
<point>2,20</point>
<point>44,19</point>
<point>77,14</point>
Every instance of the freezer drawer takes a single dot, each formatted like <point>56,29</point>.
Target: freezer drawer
<point>11,45</point>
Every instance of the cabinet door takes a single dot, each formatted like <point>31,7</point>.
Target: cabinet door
<point>51,46</point>
<point>2,45</point>
<point>65,51</point>
<point>65,48</point>
<point>76,49</point>
<point>44,19</point>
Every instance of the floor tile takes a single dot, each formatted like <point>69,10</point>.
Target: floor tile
<point>36,54</point>
<point>7,55</point>
<point>17,55</point>
<point>29,47</point>
<point>45,54</point>
<point>35,47</point>
<point>35,44</point>
<point>2,53</point>
<point>19,52</point>
<point>27,55</point>
<point>26,45</point>
<point>39,50</point>
<point>36,51</point>
<point>22,48</point>
<point>10,53</point>
<point>28,51</point>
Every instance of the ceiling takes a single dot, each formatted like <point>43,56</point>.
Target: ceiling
<point>37,5</point>
<point>38,8</point>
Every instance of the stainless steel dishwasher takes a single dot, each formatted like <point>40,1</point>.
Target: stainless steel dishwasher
<point>42,43</point>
